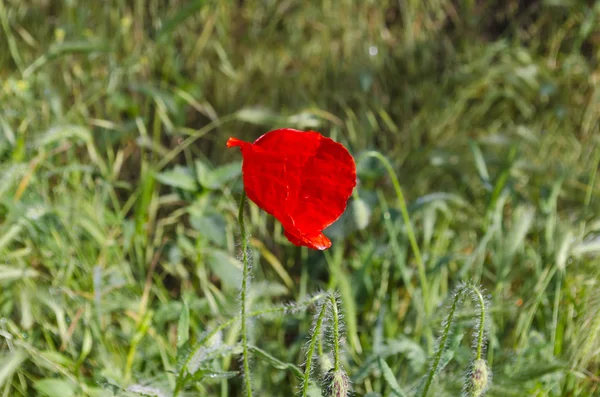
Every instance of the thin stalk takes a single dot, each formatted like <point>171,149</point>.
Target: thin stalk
<point>461,290</point>
<point>557,299</point>
<point>409,228</point>
<point>481,329</point>
<point>442,346</point>
<point>311,349</point>
<point>230,322</point>
<point>410,233</point>
<point>336,333</point>
<point>244,293</point>
<point>182,371</point>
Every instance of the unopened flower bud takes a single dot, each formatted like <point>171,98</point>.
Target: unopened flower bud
<point>478,379</point>
<point>336,384</point>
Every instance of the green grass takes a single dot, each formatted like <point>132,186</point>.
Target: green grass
<point>120,253</point>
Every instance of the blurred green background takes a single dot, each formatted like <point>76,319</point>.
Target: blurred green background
<point>118,198</point>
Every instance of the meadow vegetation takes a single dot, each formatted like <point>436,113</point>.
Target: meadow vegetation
<point>120,249</point>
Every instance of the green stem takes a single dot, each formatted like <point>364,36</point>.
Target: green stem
<point>442,346</point>
<point>448,326</point>
<point>411,237</point>
<point>244,293</point>
<point>409,228</point>
<point>336,333</point>
<point>481,320</point>
<point>228,323</point>
<point>311,348</point>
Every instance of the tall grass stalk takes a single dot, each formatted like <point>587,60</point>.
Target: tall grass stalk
<point>112,132</point>
<point>411,236</point>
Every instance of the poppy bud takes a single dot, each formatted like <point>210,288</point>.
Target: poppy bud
<point>478,379</point>
<point>336,384</point>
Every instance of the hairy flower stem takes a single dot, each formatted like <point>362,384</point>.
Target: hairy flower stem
<point>257,313</point>
<point>244,293</point>
<point>411,236</point>
<point>460,291</point>
<point>229,323</point>
<point>481,321</point>
<point>336,333</point>
<point>311,348</point>
<point>440,350</point>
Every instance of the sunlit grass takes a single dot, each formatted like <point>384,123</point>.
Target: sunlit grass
<point>120,246</point>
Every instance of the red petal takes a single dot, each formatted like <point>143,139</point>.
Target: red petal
<point>317,241</point>
<point>231,142</point>
<point>302,178</point>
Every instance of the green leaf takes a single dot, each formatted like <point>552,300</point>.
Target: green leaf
<point>203,373</point>
<point>218,177</point>
<point>69,133</point>
<point>448,354</point>
<point>390,379</point>
<point>275,362</point>
<point>86,347</point>
<point>8,131</point>
<point>161,97</point>
<point>410,349</point>
<point>221,175</point>
<point>183,326</point>
<point>77,46</point>
<point>148,391</point>
<point>55,387</point>
<point>177,20</point>
<point>532,372</point>
<point>523,219</point>
<point>9,364</point>
<point>591,247</point>
<point>258,116</point>
<point>226,267</point>
<point>482,169</point>
<point>179,177</point>
<point>202,171</point>
<point>7,237</point>
<point>68,47</point>
<point>304,120</point>
<point>52,360</point>
<point>402,345</point>
<point>212,226</point>
<point>9,273</point>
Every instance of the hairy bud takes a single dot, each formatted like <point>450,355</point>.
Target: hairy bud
<point>336,384</point>
<point>478,379</point>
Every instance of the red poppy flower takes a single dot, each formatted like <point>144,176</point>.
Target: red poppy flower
<point>301,178</point>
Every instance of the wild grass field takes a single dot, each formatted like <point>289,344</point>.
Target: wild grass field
<point>476,130</point>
